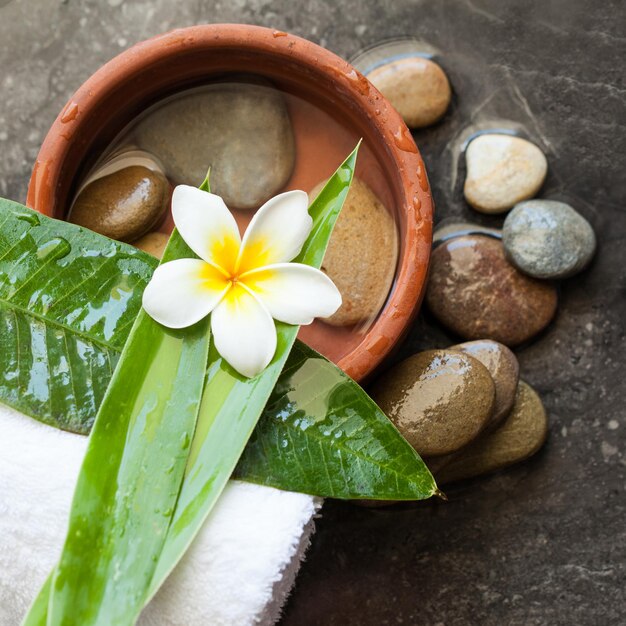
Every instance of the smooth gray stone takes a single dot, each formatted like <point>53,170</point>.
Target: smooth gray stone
<point>548,239</point>
<point>242,131</point>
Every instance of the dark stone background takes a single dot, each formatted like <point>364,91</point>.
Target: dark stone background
<point>541,543</point>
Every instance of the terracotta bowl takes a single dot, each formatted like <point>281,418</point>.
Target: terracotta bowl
<point>163,65</point>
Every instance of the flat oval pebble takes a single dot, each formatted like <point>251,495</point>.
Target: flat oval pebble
<point>123,205</point>
<point>439,400</point>
<point>361,256</point>
<point>242,131</point>
<point>504,369</point>
<point>416,87</point>
<point>520,436</point>
<point>548,239</point>
<point>450,230</point>
<point>153,243</point>
<point>476,293</point>
<point>502,170</point>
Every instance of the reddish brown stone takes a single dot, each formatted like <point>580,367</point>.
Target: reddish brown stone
<point>478,294</point>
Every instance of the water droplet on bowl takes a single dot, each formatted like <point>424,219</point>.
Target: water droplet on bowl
<point>403,139</point>
<point>422,178</point>
<point>69,113</point>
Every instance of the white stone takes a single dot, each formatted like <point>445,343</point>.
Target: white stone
<point>502,170</point>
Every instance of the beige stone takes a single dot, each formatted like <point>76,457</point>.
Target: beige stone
<point>416,87</point>
<point>501,171</point>
<point>153,243</point>
<point>361,256</point>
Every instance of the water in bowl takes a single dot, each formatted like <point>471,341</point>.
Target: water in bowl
<point>260,140</point>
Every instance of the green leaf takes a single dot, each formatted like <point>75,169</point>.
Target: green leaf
<point>68,298</point>
<point>232,404</point>
<point>321,434</point>
<point>131,475</point>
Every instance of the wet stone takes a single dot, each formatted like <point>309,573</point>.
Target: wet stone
<point>123,205</point>
<point>476,293</point>
<point>520,436</point>
<point>153,243</point>
<point>548,239</point>
<point>504,369</point>
<point>361,256</point>
<point>439,400</point>
<point>501,171</point>
<point>241,131</point>
<point>416,87</point>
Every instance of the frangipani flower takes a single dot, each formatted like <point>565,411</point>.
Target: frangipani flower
<point>246,283</point>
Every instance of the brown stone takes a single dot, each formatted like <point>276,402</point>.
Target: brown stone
<point>504,369</point>
<point>519,437</point>
<point>439,400</point>
<point>153,243</point>
<point>123,205</point>
<point>416,87</point>
<point>362,255</point>
<point>477,293</point>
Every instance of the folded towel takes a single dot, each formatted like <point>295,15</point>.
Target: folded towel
<point>238,571</point>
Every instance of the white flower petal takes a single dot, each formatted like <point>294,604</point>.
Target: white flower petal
<point>206,225</point>
<point>244,332</point>
<point>183,292</point>
<point>276,232</point>
<point>294,293</point>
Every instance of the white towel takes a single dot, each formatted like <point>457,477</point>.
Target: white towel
<point>238,572</point>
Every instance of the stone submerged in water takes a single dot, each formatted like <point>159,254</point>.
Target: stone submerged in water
<point>475,292</point>
<point>501,171</point>
<point>153,243</point>
<point>520,436</point>
<point>504,369</point>
<point>242,131</point>
<point>361,256</point>
<point>123,205</point>
<point>416,87</point>
<point>439,400</point>
<point>548,239</point>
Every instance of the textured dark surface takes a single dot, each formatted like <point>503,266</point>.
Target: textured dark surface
<point>542,543</point>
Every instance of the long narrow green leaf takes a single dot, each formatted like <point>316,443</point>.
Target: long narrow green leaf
<point>323,435</point>
<point>126,493</point>
<point>231,405</point>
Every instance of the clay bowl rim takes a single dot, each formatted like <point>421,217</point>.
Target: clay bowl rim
<point>343,85</point>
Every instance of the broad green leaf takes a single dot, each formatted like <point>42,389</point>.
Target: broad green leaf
<point>131,475</point>
<point>231,405</point>
<point>321,434</point>
<point>68,298</point>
